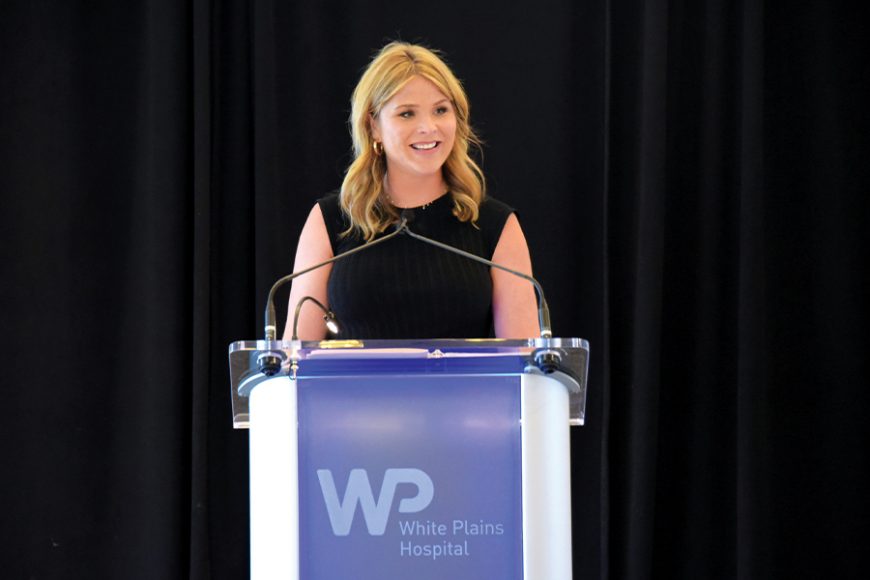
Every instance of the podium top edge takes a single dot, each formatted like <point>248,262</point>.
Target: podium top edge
<point>428,344</point>
<point>565,360</point>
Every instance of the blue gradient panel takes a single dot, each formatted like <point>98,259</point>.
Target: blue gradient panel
<point>410,478</point>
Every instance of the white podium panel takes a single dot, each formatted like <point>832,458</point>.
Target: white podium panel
<point>424,463</point>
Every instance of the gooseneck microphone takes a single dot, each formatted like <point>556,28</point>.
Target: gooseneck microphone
<point>328,316</point>
<point>269,362</point>
<point>407,216</point>
<point>270,330</point>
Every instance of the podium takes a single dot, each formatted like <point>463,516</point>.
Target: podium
<point>420,459</point>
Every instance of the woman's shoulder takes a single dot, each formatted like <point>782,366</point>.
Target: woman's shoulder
<point>493,216</point>
<point>330,205</point>
<point>333,217</point>
<point>494,209</point>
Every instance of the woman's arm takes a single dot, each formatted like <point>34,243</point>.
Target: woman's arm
<point>313,248</point>
<point>514,307</point>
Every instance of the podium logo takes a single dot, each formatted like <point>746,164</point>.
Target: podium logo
<point>359,491</point>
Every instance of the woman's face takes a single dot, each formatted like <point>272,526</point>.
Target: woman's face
<point>417,127</point>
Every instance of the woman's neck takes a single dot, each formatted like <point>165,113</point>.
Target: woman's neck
<point>414,191</point>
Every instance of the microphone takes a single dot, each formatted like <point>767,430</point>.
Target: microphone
<point>270,330</point>
<point>328,316</point>
<point>270,362</point>
<point>407,216</point>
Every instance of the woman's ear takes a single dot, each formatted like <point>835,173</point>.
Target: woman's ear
<point>374,127</point>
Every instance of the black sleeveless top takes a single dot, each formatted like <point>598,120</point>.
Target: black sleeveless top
<point>405,288</point>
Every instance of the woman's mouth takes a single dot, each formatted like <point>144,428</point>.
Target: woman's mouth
<point>425,146</point>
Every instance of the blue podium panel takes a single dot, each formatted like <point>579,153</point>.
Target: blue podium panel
<point>410,477</point>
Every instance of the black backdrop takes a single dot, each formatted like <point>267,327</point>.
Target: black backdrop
<point>693,179</point>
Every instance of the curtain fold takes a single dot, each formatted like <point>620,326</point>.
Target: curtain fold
<point>200,343</point>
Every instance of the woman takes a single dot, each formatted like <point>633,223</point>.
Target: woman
<point>411,135</point>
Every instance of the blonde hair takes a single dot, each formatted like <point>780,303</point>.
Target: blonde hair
<point>361,199</point>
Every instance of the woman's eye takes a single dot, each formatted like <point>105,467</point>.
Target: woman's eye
<point>406,114</point>
<point>442,110</point>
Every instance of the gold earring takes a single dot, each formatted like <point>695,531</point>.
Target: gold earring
<point>378,148</point>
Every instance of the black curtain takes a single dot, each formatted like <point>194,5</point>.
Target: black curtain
<point>736,217</point>
<point>95,174</point>
<point>691,176</point>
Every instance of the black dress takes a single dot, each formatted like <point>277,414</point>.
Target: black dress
<point>405,288</point>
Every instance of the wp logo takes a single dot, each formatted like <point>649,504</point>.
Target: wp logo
<point>359,491</point>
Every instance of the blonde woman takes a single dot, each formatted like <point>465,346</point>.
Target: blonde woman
<point>411,137</point>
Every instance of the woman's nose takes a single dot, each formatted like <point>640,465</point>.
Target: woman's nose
<point>426,124</point>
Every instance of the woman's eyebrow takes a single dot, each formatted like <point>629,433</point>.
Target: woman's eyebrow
<point>414,105</point>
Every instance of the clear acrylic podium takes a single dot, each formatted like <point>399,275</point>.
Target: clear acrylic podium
<point>410,459</point>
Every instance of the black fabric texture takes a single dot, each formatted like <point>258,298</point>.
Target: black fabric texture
<point>405,288</point>
<point>692,178</point>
